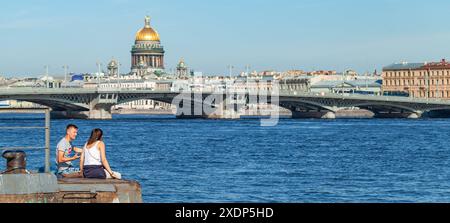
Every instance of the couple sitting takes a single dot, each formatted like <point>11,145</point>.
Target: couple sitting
<point>93,162</point>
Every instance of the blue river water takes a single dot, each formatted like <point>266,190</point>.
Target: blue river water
<point>347,160</point>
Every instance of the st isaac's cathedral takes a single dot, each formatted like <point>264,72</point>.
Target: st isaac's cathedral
<point>147,54</point>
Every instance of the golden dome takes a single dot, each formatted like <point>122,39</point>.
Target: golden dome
<point>147,33</point>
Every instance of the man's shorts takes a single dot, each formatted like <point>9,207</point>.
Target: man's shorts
<point>69,170</point>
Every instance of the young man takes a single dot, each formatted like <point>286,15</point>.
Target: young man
<point>66,153</point>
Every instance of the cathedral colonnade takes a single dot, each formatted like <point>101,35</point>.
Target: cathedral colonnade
<point>153,61</point>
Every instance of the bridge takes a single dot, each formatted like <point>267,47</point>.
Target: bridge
<point>97,103</point>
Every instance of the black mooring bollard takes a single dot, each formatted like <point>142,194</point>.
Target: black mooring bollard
<point>16,162</point>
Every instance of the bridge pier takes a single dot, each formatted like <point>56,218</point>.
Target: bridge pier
<point>313,114</point>
<point>100,114</point>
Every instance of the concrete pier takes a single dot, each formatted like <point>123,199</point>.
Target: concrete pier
<point>46,188</point>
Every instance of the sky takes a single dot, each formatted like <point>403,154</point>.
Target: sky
<point>211,35</point>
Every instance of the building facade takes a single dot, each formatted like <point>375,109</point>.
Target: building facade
<point>419,80</point>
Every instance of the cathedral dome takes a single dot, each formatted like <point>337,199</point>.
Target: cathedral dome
<point>147,33</point>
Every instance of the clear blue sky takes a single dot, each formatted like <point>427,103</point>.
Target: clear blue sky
<point>266,34</point>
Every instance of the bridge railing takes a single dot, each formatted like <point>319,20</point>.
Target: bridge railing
<point>46,147</point>
<point>362,96</point>
<point>281,92</point>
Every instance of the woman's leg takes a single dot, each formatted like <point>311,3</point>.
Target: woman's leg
<point>118,175</point>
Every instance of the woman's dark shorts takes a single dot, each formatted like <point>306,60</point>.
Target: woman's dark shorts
<point>94,172</point>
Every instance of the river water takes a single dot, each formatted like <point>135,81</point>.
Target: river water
<point>347,160</point>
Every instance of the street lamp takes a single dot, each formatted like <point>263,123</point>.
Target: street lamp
<point>65,73</point>
<point>231,70</point>
<point>343,81</point>
<point>98,74</point>
<point>46,77</point>
<point>427,82</point>
<point>118,75</point>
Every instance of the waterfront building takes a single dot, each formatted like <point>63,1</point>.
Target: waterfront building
<point>363,86</point>
<point>241,84</point>
<point>48,82</point>
<point>147,53</point>
<point>23,104</point>
<point>4,82</point>
<point>347,82</point>
<point>295,73</point>
<point>322,72</point>
<point>419,80</point>
<point>138,84</point>
<point>270,73</point>
<point>299,84</point>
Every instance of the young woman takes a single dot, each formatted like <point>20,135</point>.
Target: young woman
<point>93,162</point>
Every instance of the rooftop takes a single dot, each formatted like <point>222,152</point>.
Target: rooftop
<point>443,64</point>
<point>353,83</point>
<point>404,66</point>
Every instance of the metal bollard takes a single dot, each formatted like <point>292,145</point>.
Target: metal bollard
<point>16,162</point>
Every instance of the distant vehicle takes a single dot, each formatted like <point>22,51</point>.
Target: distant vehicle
<point>77,77</point>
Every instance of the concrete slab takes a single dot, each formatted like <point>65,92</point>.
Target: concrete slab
<point>28,183</point>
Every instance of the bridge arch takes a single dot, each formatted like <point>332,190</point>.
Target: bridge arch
<point>293,103</point>
<point>54,104</point>
<point>377,106</point>
<point>165,98</point>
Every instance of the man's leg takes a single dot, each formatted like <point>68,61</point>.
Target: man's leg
<point>72,173</point>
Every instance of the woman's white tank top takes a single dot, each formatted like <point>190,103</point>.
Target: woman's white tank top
<point>92,155</point>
